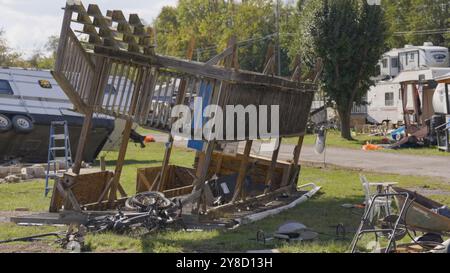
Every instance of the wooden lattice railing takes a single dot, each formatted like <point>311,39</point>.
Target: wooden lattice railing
<point>107,64</point>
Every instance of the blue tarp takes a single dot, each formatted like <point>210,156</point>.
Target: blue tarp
<point>199,120</point>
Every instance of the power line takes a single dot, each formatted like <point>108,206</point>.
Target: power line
<point>422,32</point>
<point>240,43</point>
<point>243,42</point>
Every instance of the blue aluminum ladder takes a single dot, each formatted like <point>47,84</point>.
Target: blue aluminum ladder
<point>58,151</point>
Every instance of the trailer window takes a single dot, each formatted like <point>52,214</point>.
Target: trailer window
<point>389,99</point>
<point>384,62</point>
<point>5,88</point>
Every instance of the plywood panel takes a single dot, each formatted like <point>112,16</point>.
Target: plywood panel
<point>86,188</point>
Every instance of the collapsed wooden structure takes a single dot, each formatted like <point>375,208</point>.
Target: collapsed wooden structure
<point>421,119</point>
<point>107,64</point>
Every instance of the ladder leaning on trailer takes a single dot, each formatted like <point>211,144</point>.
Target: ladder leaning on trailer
<point>58,151</point>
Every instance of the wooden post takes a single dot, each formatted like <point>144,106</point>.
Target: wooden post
<point>96,84</point>
<point>298,150</point>
<point>204,158</point>
<point>102,163</point>
<point>202,172</point>
<point>180,99</point>
<point>115,185</point>
<point>239,188</point>
<point>120,160</point>
<point>82,141</point>
<point>314,77</point>
<point>273,164</point>
<point>270,68</point>
<point>230,61</point>
<point>63,37</point>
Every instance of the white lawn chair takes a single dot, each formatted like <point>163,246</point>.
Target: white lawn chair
<point>382,204</point>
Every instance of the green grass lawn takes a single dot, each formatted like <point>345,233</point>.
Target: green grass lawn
<point>334,139</point>
<point>320,213</point>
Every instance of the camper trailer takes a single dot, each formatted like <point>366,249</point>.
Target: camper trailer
<point>29,101</point>
<point>385,99</point>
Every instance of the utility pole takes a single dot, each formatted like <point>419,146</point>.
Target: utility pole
<point>277,23</point>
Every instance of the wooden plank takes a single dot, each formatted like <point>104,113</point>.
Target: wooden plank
<point>230,207</point>
<point>104,24</point>
<point>105,191</point>
<point>270,69</point>
<point>120,161</point>
<point>239,188</point>
<point>298,150</point>
<point>156,182</point>
<point>122,191</point>
<point>135,20</point>
<point>144,180</point>
<point>93,86</point>
<point>87,124</point>
<point>180,99</point>
<point>273,164</point>
<point>178,191</point>
<point>215,60</point>
<point>125,140</point>
<point>63,38</point>
<point>80,106</point>
<point>219,73</point>
<point>293,169</point>
<point>84,188</point>
<point>297,74</point>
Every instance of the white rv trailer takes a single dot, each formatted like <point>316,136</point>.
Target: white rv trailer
<point>29,101</point>
<point>384,99</point>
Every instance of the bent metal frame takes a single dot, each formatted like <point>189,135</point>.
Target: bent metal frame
<point>107,64</point>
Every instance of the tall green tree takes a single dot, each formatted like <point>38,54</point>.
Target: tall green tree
<point>417,21</point>
<point>7,56</point>
<point>212,23</point>
<point>46,60</point>
<point>349,36</point>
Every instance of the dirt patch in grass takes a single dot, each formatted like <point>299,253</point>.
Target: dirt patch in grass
<point>34,247</point>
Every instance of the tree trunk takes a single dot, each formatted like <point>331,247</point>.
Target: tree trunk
<point>344,116</point>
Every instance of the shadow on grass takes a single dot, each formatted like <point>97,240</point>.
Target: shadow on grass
<point>322,214</point>
<point>132,161</point>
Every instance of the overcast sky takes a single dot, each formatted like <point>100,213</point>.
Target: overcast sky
<point>28,23</point>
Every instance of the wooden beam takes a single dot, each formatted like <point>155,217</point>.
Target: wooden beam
<point>239,188</point>
<point>179,100</point>
<point>96,83</point>
<point>68,196</point>
<point>215,60</point>
<point>202,172</point>
<point>120,160</point>
<point>125,139</point>
<point>232,75</point>
<point>63,38</point>
<point>297,74</point>
<point>273,164</point>
<point>269,67</point>
<point>87,123</point>
<point>74,97</point>
<point>294,165</point>
<point>298,150</point>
